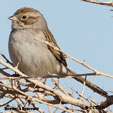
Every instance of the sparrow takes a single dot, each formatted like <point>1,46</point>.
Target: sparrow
<point>32,57</point>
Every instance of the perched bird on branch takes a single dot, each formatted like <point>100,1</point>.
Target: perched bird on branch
<point>35,58</point>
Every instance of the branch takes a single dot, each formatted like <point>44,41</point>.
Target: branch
<point>109,3</point>
<point>78,78</point>
<point>63,97</point>
<point>78,61</point>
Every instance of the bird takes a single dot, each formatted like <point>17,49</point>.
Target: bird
<point>32,57</point>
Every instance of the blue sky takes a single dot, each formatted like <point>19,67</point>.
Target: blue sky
<point>81,29</point>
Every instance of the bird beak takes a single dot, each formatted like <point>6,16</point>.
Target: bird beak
<point>13,18</point>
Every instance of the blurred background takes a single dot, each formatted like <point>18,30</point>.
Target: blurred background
<point>83,30</point>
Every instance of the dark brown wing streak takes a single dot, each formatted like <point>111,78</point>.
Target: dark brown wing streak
<point>59,56</point>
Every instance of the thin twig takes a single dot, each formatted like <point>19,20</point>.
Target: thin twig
<point>109,3</point>
<point>83,88</point>
<point>5,58</point>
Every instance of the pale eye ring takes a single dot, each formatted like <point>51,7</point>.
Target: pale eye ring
<point>24,17</point>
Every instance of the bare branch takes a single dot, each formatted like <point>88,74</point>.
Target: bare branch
<point>109,3</point>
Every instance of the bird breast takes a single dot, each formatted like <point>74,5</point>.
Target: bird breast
<point>32,56</point>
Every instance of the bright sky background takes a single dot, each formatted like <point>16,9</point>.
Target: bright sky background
<point>81,29</point>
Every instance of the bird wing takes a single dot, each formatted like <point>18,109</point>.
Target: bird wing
<point>50,38</point>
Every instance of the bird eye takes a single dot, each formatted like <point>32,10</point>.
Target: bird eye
<point>24,17</point>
